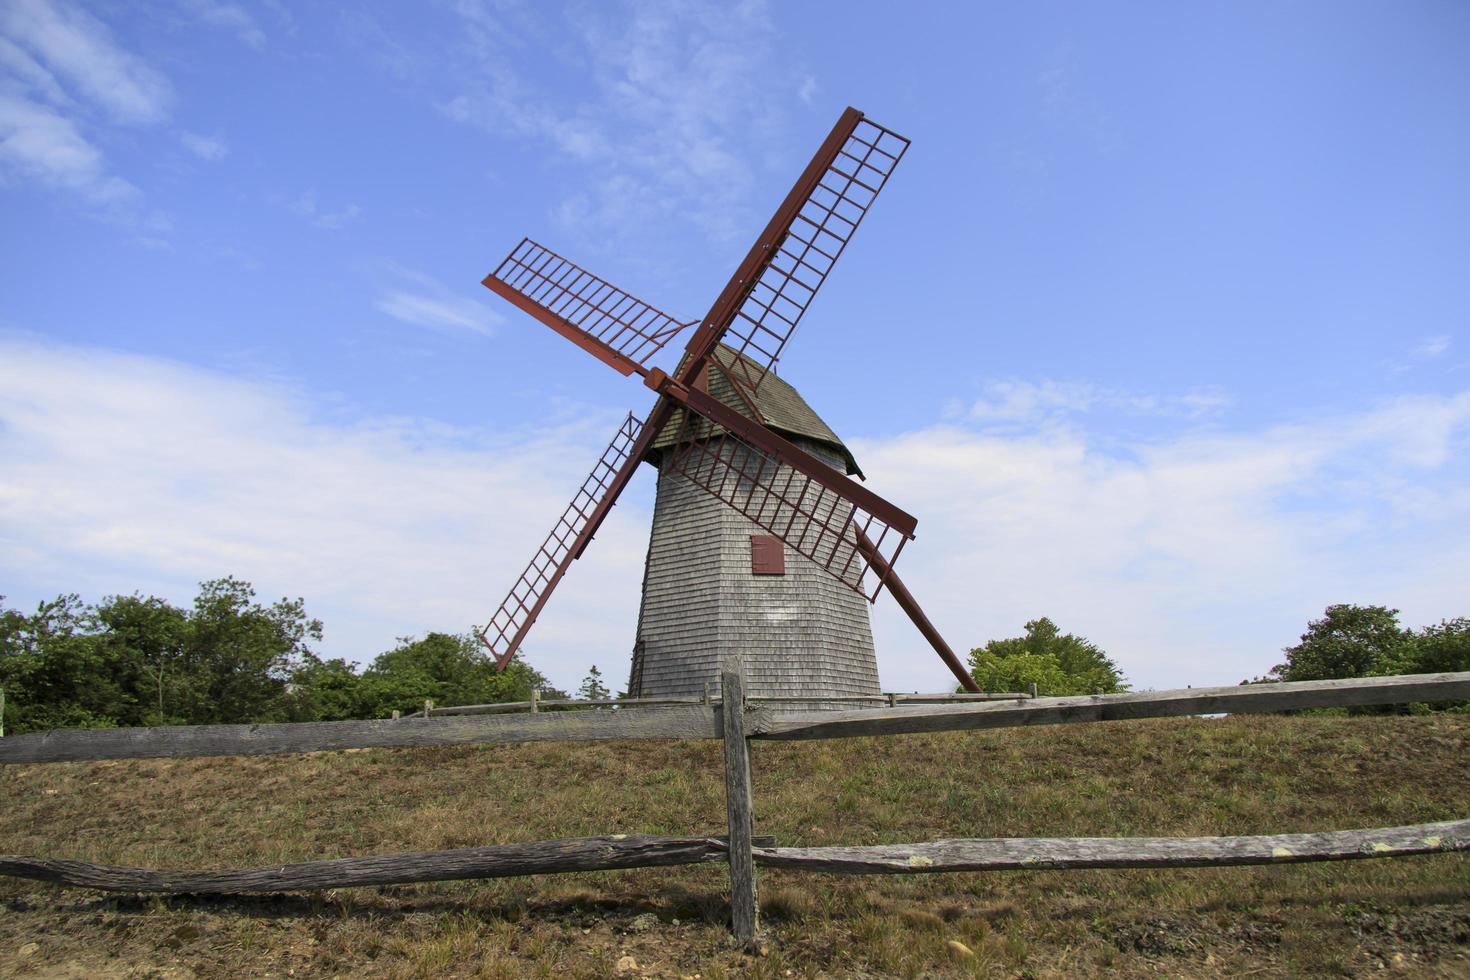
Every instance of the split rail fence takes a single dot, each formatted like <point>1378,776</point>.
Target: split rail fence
<point>736,720</point>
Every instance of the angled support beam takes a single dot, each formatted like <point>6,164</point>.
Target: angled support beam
<point>910,605</point>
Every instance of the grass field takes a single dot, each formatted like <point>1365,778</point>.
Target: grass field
<point>1238,775</point>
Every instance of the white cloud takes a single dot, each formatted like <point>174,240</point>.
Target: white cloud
<point>438,311</point>
<point>25,73</point>
<point>1432,346</point>
<point>63,78</point>
<point>1036,401</point>
<point>306,206</point>
<point>38,143</point>
<point>1193,559</point>
<point>80,48</point>
<point>210,148</point>
<point>230,17</point>
<point>126,472</point>
<point>808,90</point>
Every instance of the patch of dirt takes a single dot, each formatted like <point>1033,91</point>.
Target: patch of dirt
<point>1158,936</point>
<point>1426,932</point>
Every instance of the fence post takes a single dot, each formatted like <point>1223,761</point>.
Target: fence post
<point>738,805</point>
<point>428,707</point>
<point>535,700</point>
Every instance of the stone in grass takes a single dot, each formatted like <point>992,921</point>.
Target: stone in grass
<point>960,949</point>
<point>626,964</point>
<point>643,923</point>
<point>28,950</point>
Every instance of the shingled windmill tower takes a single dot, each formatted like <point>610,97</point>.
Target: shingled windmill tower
<point>718,584</point>
<point>762,544</point>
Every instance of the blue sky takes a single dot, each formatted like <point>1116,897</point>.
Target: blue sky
<point>1160,328</point>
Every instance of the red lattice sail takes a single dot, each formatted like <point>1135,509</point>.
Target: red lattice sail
<point>508,626</point>
<point>812,242</point>
<point>591,312</point>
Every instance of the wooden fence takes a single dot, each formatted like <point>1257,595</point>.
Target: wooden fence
<point>538,703</point>
<point>736,721</point>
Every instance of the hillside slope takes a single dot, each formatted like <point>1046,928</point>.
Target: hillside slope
<point>1178,777</point>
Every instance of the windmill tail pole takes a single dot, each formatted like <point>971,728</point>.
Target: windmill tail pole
<point>910,605</point>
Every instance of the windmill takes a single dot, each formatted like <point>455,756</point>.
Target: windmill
<point>736,448</point>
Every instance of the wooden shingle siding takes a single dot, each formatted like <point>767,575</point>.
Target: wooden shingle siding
<point>799,633</point>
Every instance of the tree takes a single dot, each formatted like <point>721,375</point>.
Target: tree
<point>446,669</point>
<point>145,638</point>
<point>1057,663</point>
<point>1348,641</point>
<point>138,660</point>
<point>243,653</point>
<point>326,690</point>
<point>53,671</point>
<point>592,688</point>
<point>1445,647</point>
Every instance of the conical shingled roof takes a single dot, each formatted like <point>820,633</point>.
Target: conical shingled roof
<point>784,410</point>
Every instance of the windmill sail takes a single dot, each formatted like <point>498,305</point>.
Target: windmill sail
<point>589,311</point>
<point>773,287</point>
<point>510,623</point>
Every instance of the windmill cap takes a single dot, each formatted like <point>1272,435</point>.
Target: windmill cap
<point>783,408</point>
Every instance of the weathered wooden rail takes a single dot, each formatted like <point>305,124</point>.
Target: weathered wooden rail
<point>736,721</point>
<point>618,851</point>
<point>695,721</point>
<point>537,704</point>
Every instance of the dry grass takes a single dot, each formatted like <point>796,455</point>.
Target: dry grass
<point>1179,777</point>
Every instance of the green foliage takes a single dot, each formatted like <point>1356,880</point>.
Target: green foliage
<point>1367,641</point>
<point>135,660</point>
<point>1057,663</point>
<point>444,668</point>
<point>1349,641</point>
<point>1445,647</point>
<point>592,688</point>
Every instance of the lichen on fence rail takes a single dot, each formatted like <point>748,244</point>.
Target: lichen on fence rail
<point>1040,853</point>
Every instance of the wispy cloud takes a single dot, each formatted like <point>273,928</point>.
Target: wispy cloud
<point>438,312</point>
<point>210,148</point>
<point>63,77</point>
<point>306,206</point>
<point>231,17</point>
<point>1429,349</point>
<point>1015,401</point>
<point>39,143</point>
<point>80,49</point>
<point>673,108</point>
<point>424,301</point>
<point>1432,347</point>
